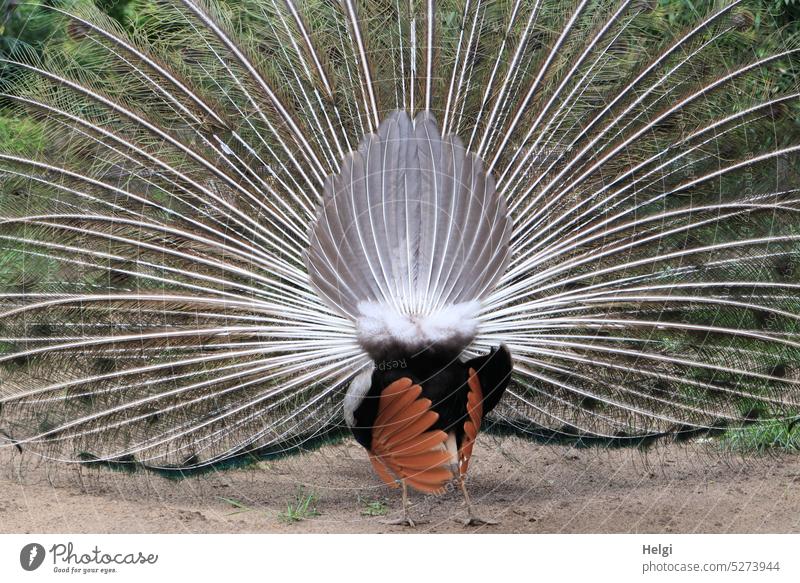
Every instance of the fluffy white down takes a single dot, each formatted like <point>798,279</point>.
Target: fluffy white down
<point>380,327</point>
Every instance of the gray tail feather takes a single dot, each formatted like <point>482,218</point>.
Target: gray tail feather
<point>411,235</point>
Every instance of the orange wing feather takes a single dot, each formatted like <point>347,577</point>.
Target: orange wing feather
<point>473,424</point>
<point>403,444</point>
<point>382,471</point>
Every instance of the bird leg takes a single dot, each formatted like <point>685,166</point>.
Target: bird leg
<point>472,519</point>
<point>405,520</point>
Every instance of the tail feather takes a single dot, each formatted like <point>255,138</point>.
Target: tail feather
<point>631,233</point>
<point>411,226</point>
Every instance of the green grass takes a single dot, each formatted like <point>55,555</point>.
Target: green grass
<point>763,436</point>
<point>373,507</point>
<point>238,505</point>
<point>20,135</point>
<point>303,507</point>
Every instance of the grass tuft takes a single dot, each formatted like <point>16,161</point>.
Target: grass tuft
<point>240,506</point>
<point>373,507</point>
<point>304,506</point>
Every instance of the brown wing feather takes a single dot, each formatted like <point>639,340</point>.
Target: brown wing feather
<point>420,461</point>
<point>382,471</point>
<point>408,414</point>
<point>403,444</point>
<point>410,430</point>
<point>473,424</point>
<point>395,399</point>
<point>431,481</point>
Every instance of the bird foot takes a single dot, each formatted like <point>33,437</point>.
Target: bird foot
<point>477,521</point>
<point>404,521</point>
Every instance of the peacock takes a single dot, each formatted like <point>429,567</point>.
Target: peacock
<point>251,225</point>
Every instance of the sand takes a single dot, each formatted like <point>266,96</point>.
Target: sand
<point>527,487</point>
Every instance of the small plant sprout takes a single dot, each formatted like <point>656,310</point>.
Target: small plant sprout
<point>373,507</point>
<point>303,506</point>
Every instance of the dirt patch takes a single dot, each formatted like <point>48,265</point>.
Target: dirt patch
<point>527,487</point>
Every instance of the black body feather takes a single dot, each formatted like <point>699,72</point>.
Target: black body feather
<point>443,377</point>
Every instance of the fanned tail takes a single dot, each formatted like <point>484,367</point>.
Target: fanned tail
<point>156,306</point>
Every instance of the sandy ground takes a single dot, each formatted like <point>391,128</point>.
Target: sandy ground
<point>527,487</point>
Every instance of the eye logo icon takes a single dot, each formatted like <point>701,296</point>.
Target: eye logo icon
<point>31,556</point>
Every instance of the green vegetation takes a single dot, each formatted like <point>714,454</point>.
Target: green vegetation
<point>239,506</point>
<point>763,436</point>
<point>26,28</point>
<point>302,507</point>
<point>373,507</point>
<point>19,135</point>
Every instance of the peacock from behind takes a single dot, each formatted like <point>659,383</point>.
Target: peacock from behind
<point>207,249</point>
